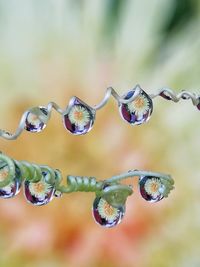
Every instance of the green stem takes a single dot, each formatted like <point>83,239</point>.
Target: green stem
<point>134,173</point>
<point>81,184</point>
<point>110,189</point>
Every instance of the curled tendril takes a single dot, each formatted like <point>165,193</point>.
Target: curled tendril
<point>116,194</point>
<point>82,184</point>
<point>169,94</point>
<point>110,189</point>
<point>43,113</point>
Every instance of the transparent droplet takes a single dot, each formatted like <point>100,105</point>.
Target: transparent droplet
<point>58,179</point>
<point>185,97</point>
<point>39,193</point>
<point>13,188</point>
<point>151,188</point>
<point>106,215</point>
<point>165,95</point>
<point>36,119</point>
<point>80,117</point>
<point>198,105</point>
<point>57,193</point>
<point>137,111</point>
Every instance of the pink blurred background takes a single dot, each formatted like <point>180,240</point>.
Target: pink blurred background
<point>52,50</point>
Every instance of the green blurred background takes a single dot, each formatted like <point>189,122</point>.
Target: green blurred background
<point>51,50</point>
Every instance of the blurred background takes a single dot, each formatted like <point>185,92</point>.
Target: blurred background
<point>52,50</point>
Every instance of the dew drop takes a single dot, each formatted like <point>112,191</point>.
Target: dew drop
<point>57,194</point>
<point>80,118</point>
<point>106,215</point>
<point>39,193</point>
<point>165,95</point>
<point>13,188</point>
<point>36,119</point>
<point>198,105</point>
<point>137,111</point>
<point>151,188</point>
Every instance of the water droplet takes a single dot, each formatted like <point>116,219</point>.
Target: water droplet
<point>36,119</point>
<point>151,188</point>
<point>80,117</point>
<point>137,111</point>
<point>13,188</point>
<point>106,215</point>
<point>57,193</point>
<point>185,97</point>
<point>165,95</point>
<point>198,105</point>
<point>39,193</point>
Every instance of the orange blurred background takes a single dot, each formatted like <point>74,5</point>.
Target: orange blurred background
<point>52,50</point>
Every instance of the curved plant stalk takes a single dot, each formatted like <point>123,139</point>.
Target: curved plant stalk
<point>110,189</point>
<point>43,113</point>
